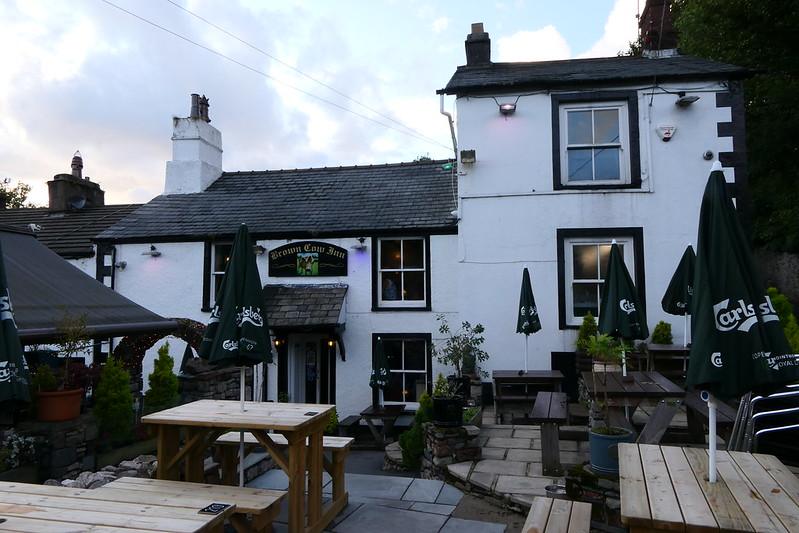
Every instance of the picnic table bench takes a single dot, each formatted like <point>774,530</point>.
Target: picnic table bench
<point>551,409</point>
<point>697,417</point>
<point>666,488</point>
<point>526,385</point>
<point>43,509</point>
<point>548,515</point>
<point>339,448</point>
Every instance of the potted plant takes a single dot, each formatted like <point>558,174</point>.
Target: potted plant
<point>59,394</point>
<point>662,333</point>
<point>606,353</point>
<point>462,350</point>
<point>447,406</point>
<point>18,459</point>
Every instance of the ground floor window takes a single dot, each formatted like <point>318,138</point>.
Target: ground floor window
<point>409,362</point>
<point>582,266</point>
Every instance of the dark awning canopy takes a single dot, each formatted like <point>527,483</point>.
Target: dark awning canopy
<point>312,307</point>
<point>44,288</point>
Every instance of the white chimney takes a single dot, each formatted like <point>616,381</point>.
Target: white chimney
<point>196,151</point>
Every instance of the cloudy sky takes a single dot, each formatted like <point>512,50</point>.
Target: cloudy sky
<point>83,75</point>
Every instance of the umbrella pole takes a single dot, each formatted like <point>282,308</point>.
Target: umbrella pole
<point>526,348</point>
<point>685,341</point>
<point>711,428</point>
<point>241,433</point>
<point>623,363</point>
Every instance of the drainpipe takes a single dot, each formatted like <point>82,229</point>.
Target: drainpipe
<point>451,127</point>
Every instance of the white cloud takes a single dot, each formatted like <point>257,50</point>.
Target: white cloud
<point>539,45</point>
<point>620,28</point>
<point>440,24</point>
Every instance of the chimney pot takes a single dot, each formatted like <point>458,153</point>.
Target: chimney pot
<point>77,165</point>
<point>478,46</point>
<point>195,106</point>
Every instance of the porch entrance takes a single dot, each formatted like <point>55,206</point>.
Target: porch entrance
<point>307,369</point>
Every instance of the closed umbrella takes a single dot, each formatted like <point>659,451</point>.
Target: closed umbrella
<point>380,371</point>
<point>528,321</point>
<point>677,299</point>
<point>237,332</point>
<point>14,379</point>
<point>738,343</point>
<point>621,313</point>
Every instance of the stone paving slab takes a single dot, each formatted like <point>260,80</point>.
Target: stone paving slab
<point>483,480</point>
<point>495,431</point>
<point>388,520</point>
<point>527,433</point>
<point>459,525</point>
<point>494,453</point>
<point>527,456</point>
<point>449,495</point>
<point>396,504</point>
<point>276,479</point>
<point>509,442</point>
<point>423,490</point>
<point>369,486</point>
<point>435,508</point>
<point>523,484</point>
<point>460,470</point>
<point>495,466</point>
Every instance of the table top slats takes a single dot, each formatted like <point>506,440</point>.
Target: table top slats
<point>559,516</point>
<point>256,415</point>
<point>546,375</point>
<point>664,383</point>
<point>718,496</point>
<point>663,504</point>
<point>20,524</point>
<point>753,506</point>
<point>695,509</point>
<point>644,385</point>
<point>537,517</point>
<point>787,480</point>
<point>770,490</point>
<point>580,520</point>
<point>634,503</point>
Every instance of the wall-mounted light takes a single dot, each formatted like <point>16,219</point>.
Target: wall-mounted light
<point>330,343</point>
<point>468,157</point>
<point>507,109</point>
<point>121,265</point>
<point>685,101</point>
<point>360,245</point>
<point>258,249</point>
<point>152,252</point>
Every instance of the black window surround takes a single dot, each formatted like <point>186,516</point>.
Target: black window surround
<point>631,98</point>
<point>375,243</point>
<point>637,236</point>
<point>427,337</point>
<point>208,259</point>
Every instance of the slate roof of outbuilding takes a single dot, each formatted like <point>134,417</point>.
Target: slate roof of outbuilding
<point>67,233</point>
<point>351,200</point>
<point>304,305</point>
<point>581,72</point>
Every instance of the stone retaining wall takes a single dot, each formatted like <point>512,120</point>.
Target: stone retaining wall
<point>65,448</point>
<point>444,446</point>
<point>216,384</point>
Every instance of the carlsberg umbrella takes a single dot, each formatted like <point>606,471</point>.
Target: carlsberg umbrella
<point>380,371</point>
<point>13,370</point>
<point>677,300</point>
<point>237,332</point>
<point>528,321</point>
<point>621,314</point>
<point>738,343</point>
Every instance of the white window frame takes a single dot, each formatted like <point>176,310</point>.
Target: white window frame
<point>424,372</point>
<point>628,253</point>
<point>623,144</point>
<point>379,277</point>
<point>213,274</point>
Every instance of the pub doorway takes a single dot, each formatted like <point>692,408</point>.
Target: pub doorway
<point>307,369</point>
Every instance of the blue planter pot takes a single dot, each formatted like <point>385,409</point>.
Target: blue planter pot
<point>605,450</point>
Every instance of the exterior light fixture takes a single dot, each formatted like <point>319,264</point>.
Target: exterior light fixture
<point>121,265</point>
<point>361,245</point>
<point>685,101</point>
<point>152,252</point>
<point>468,157</point>
<point>258,249</point>
<point>507,109</point>
<point>330,343</point>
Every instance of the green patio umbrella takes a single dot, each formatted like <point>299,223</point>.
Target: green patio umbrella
<point>621,313</point>
<point>738,342</point>
<point>528,321</point>
<point>677,299</point>
<point>380,371</point>
<point>14,379</point>
<point>237,332</point>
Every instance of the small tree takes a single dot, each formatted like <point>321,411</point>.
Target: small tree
<point>163,391</point>
<point>788,320</point>
<point>412,441</point>
<point>605,349</point>
<point>588,330</point>
<point>113,405</point>
<point>73,337</point>
<point>462,349</point>
<point>662,333</point>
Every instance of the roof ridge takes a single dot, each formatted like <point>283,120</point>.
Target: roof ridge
<point>342,167</point>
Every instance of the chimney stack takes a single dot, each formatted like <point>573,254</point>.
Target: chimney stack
<point>70,192</point>
<point>656,29</point>
<point>478,46</point>
<point>196,151</point>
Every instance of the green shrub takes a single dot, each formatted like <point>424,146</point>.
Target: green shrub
<point>163,391</point>
<point>43,379</point>
<point>662,333</point>
<point>113,404</point>
<point>587,330</point>
<point>788,319</point>
<point>425,411</point>
<point>332,423</point>
<point>443,388</point>
<point>412,441</point>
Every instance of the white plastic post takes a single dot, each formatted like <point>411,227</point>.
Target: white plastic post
<point>241,433</point>
<point>711,438</point>
<point>623,363</point>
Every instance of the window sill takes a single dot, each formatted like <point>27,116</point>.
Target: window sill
<point>389,309</point>
<point>599,186</point>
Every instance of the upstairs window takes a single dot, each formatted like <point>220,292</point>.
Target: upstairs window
<point>220,256</point>
<point>401,273</point>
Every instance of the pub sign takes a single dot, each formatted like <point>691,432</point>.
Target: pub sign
<point>308,258</point>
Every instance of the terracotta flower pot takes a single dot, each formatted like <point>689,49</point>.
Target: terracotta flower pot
<point>58,406</point>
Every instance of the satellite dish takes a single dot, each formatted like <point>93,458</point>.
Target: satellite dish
<point>77,202</point>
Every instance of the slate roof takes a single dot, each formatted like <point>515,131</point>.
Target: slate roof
<point>576,72</point>
<point>316,305</point>
<point>355,200</point>
<point>67,233</point>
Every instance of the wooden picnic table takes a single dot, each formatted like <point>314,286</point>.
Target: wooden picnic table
<point>662,357</point>
<point>26,507</point>
<point>666,488</point>
<point>204,421</point>
<point>388,414</point>
<point>529,383</point>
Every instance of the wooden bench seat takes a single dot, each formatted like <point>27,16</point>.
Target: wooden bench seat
<point>548,515</point>
<point>348,425</point>
<point>261,504</point>
<point>551,409</point>
<point>697,417</point>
